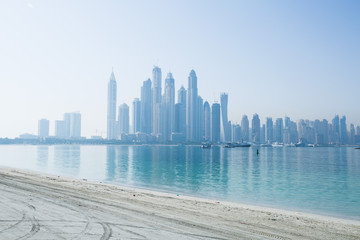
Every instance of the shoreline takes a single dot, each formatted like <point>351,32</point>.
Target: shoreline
<point>160,214</point>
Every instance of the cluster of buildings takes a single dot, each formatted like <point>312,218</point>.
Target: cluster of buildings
<point>69,127</point>
<point>158,118</point>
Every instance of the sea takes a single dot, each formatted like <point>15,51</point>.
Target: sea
<point>320,180</point>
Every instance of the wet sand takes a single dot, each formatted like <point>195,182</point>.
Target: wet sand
<point>40,206</point>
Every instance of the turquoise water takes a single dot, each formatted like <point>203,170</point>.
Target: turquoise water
<point>317,180</point>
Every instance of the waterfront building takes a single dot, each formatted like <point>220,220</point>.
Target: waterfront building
<point>136,115</point>
<point>73,124</point>
<point>207,122</point>
<point>224,116</point>
<point>262,134</point>
<point>192,111</point>
<point>336,130</point>
<point>60,129</point>
<point>180,113</point>
<point>245,128</point>
<point>200,116</point>
<point>269,130</point>
<point>255,129</point>
<point>123,119</point>
<point>43,128</point>
<point>111,108</point>
<point>236,133</point>
<point>279,130</point>
<point>352,134</point>
<point>343,131</point>
<point>215,123</point>
<point>156,100</point>
<point>146,108</point>
<point>169,101</point>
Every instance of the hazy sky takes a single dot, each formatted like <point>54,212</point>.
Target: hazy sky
<point>274,58</point>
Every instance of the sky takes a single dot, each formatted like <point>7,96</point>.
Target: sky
<point>275,58</point>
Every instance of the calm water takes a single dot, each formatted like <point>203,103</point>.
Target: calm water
<point>317,180</point>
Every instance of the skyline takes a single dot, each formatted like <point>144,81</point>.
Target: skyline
<point>274,59</point>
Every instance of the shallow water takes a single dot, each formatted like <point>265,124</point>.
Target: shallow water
<point>316,180</point>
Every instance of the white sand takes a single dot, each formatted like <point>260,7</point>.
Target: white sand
<point>39,206</point>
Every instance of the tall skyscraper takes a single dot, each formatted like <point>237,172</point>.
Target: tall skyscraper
<point>201,118</point>
<point>192,124</point>
<point>169,101</point>
<point>75,125</point>
<point>236,133</point>
<point>156,100</point>
<point>60,129</point>
<point>269,130</point>
<point>343,131</point>
<point>279,130</point>
<point>207,122</point>
<point>43,128</point>
<point>136,115</point>
<point>255,129</point>
<point>215,123</point>
<point>146,108</point>
<point>123,118</point>
<point>111,108</point>
<point>224,116</point>
<point>336,130</point>
<point>180,112</point>
<point>245,128</point>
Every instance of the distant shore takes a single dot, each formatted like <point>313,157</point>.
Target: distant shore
<point>47,206</point>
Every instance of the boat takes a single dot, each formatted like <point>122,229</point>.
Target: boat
<point>357,148</point>
<point>229,145</point>
<point>205,145</point>
<point>277,145</point>
<point>242,144</point>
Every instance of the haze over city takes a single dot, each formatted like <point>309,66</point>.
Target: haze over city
<point>299,59</point>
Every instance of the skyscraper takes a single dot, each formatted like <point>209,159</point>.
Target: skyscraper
<point>146,108</point>
<point>215,123</point>
<point>111,108</point>
<point>236,133</point>
<point>180,112</point>
<point>123,118</point>
<point>224,117</point>
<point>200,119</point>
<point>60,129</point>
<point>255,129</point>
<point>336,129</point>
<point>169,101</point>
<point>245,128</point>
<point>279,130</point>
<point>192,124</point>
<point>343,131</point>
<point>156,101</point>
<point>269,130</point>
<point>136,115</point>
<point>207,122</point>
<point>75,125</point>
<point>43,128</point>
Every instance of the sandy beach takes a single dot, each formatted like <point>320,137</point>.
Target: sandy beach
<point>40,206</point>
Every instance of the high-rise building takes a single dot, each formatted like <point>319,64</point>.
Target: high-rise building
<point>262,134</point>
<point>136,115</point>
<point>73,124</point>
<point>146,108</point>
<point>352,134</point>
<point>123,118</point>
<point>224,117</point>
<point>245,128</point>
<point>207,122</point>
<point>343,131</point>
<point>192,111</point>
<point>358,130</point>
<point>60,129</point>
<point>201,118</point>
<point>180,112</point>
<point>336,130</point>
<point>156,101</point>
<point>236,133</point>
<point>269,130</point>
<point>279,130</point>
<point>43,128</point>
<point>111,108</point>
<point>255,129</point>
<point>169,101</point>
<point>215,123</point>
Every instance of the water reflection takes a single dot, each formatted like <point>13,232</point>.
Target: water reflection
<point>67,159</point>
<point>42,156</point>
